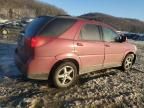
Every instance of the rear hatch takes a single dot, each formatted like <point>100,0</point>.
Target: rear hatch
<point>40,31</point>
<point>24,49</point>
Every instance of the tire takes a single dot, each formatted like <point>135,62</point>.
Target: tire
<point>4,31</point>
<point>65,75</point>
<point>128,62</point>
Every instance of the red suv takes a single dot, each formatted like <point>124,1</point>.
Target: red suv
<point>63,47</point>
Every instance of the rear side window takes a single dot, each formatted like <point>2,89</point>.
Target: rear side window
<point>57,27</point>
<point>90,32</point>
<point>36,25</point>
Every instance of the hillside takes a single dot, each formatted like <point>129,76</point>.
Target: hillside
<point>122,24</point>
<point>26,8</point>
<point>15,9</point>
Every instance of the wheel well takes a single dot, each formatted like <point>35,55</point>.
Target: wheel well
<point>62,61</point>
<point>134,56</point>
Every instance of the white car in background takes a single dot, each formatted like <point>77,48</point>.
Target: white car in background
<point>26,21</point>
<point>3,20</point>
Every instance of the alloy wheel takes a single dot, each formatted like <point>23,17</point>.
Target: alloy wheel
<point>129,62</point>
<point>65,75</point>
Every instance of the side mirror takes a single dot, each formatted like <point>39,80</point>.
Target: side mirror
<point>121,38</point>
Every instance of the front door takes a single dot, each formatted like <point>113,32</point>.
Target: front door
<point>114,51</point>
<point>90,48</point>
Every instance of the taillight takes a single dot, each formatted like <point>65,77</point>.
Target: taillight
<point>36,42</point>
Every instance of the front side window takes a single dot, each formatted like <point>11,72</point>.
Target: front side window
<point>109,35</point>
<point>90,32</point>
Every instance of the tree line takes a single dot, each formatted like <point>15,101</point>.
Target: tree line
<point>15,9</point>
<point>27,8</point>
<point>121,24</point>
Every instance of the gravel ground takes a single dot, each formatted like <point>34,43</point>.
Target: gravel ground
<point>107,88</point>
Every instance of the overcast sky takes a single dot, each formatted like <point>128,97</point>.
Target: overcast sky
<point>120,8</point>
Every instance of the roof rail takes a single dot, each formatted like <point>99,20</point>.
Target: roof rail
<point>53,15</point>
<point>87,17</point>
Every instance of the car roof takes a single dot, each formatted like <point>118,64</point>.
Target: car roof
<point>81,18</point>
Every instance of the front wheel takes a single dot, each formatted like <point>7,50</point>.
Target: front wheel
<point>128,62</point>
<point>65,75</point>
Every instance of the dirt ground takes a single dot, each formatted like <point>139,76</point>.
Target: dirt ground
<point>107,88</point>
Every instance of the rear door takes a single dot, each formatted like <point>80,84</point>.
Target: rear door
<point>90,48</point>
<point>114,51</point>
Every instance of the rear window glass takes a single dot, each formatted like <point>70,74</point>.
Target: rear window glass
<point>36,25</point>
<point>57,27</point>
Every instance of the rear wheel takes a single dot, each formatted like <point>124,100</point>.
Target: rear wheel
<point>128,62</point>
<point>65,75</point>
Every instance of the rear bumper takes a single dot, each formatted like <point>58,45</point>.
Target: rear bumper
<point>20,65</point>
<point>38,68</point>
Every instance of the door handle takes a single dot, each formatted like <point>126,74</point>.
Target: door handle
<point>79,44</point>
<point>106,45</point>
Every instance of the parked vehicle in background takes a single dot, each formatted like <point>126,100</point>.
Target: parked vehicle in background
<point>3,20</point>
<point>134,36</point>
<point>62,47</point>
<point>7,27</point>
<point>25,21</point>
<point>13,23</point>
<point>3,29</point>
